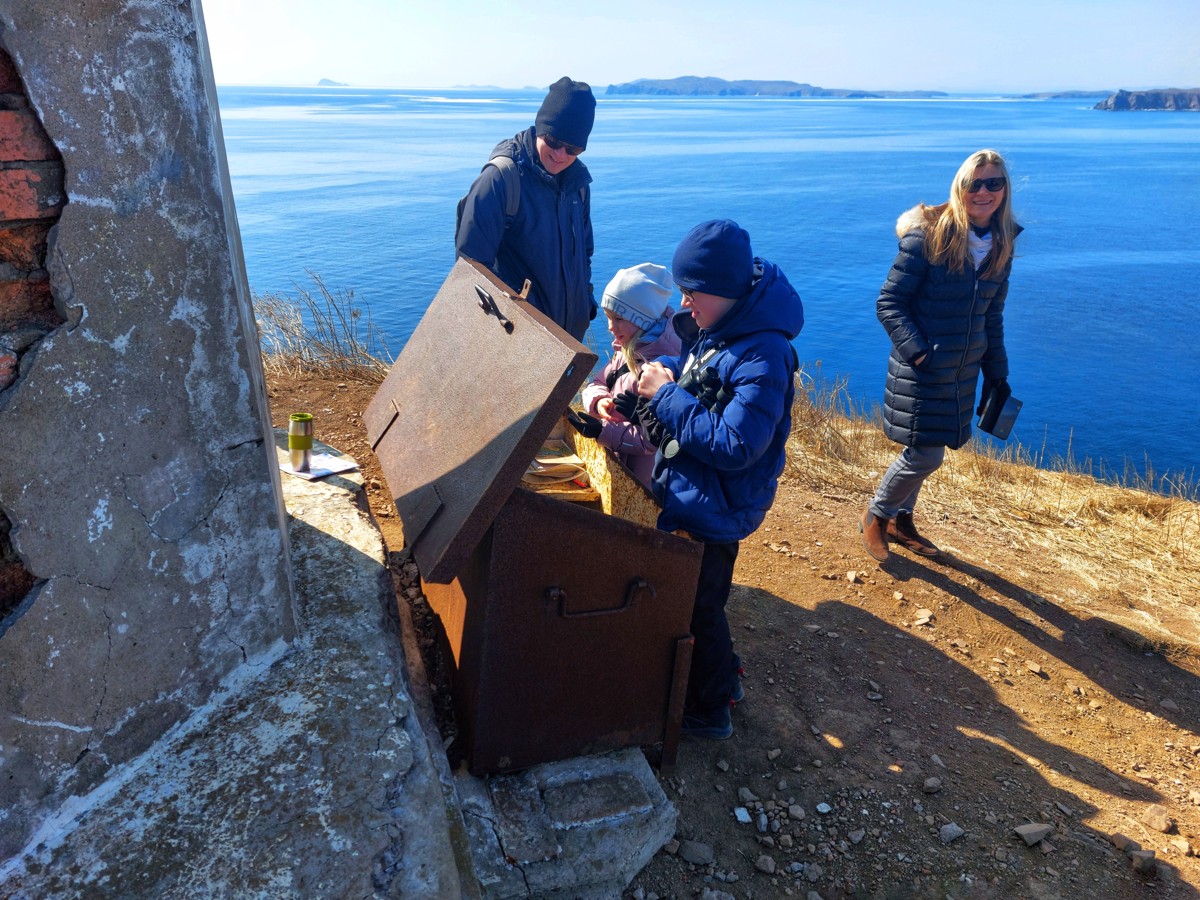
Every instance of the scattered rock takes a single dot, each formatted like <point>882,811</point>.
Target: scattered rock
<point>1123,842</point>
<point>671,847</point>
<point>742,815</point>
<point>856,836</point>
<point>1183,846</point>
<point>813,872</point>
<point>897,596</point>
<point>1033,833</point>
<point>853,577</point>
<point>874,697</point>
<point>1143,862</point>
<point>1033,667</point>
<point>950,833</point>
<point>765,864</point>
<point>697,853</point>
<point>937,761</point>
<point>710,894</point>
<point>745,795</point>
<point>773,755</point>
<point>924,617</point>
<point>1158,818</point>
<point>722,765</point>
<point>824,809</point>
<point>933,785</point>
<point>796,811</point>
<point>1168,704</point>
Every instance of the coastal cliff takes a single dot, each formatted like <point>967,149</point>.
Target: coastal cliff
<point>694,86</point>
<point>1166,99</point>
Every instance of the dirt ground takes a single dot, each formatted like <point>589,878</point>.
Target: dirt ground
<point>901,721</point>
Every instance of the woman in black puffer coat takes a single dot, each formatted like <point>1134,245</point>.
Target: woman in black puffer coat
<point>943,308</point>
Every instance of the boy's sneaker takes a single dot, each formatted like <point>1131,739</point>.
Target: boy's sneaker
<point>716,725</point>
<point>739,692</point>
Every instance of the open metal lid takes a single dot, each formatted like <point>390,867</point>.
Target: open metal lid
<point>477,389</point>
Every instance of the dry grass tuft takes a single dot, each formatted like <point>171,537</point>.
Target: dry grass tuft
<point>1136,551</point>
<point>326,333</point>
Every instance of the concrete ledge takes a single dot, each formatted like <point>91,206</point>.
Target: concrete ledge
<point>308,777</point>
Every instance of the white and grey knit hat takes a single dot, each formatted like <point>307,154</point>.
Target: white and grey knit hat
<point>639,294</point>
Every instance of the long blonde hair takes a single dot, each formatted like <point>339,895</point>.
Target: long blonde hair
<point>947,224</point>
<point>633,359</point>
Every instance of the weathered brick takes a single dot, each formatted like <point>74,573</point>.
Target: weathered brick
<point>24,246</point>
<point>21,300</point>
<point>22,137</point>
<point>10,81</point>
<point>34,191</point>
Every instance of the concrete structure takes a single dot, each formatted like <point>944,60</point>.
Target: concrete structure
<point>324,775</point>
<point>143,555</point>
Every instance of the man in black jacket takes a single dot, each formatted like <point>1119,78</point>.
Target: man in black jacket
<point>545,236</point>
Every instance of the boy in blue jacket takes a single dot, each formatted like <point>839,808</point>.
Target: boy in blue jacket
<point>725,407</point>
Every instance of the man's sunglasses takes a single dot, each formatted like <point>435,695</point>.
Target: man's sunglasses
<point>992,184</point>
<point>555,144</point>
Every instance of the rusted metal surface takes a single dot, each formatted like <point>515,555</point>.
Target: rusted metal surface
<point>464,410</point>
<point>568,627</point>
<point>565,630</point>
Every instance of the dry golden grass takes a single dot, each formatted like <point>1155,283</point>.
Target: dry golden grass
<point>326,332</point>
<point>1127,553</point>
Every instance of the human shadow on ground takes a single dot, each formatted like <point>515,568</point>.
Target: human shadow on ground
<point>1116,658</point>
<point>867,711</point>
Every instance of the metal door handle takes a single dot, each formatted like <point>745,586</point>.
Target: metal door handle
<point>558,596</point>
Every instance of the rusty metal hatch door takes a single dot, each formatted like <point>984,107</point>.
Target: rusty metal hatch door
<point>478,388</point>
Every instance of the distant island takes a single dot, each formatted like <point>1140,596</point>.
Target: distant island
<point>1063,95</point>
<point>694,86</point>
<point>327,82</point>
<point>1171,98</point>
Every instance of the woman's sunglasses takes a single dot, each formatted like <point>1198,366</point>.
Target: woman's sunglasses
<point>992,184</point>
<point>555,144</point>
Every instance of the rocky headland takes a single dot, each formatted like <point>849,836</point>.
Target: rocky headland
<point>1164,99</point>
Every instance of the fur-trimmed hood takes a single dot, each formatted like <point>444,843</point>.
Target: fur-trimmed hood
<point>911,220</point>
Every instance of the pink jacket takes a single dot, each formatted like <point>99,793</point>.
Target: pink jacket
<point>624,438</point>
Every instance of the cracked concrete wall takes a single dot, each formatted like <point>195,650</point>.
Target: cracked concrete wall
<point>136,462</point>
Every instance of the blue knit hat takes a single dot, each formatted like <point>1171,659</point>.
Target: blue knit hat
<point>715,258</point>
<point>568,112</point>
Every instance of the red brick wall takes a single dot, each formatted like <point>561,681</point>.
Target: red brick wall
<point>31,199</point>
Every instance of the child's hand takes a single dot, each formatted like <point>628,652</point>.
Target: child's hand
<point>654,376</point>
<point>605,409</point>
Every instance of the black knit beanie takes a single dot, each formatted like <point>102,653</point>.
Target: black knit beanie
<point>568,112</point>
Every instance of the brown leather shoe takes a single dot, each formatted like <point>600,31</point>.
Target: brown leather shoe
<point>874,535</point>
<point>904,532</point>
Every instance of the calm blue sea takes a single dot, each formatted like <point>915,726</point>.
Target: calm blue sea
<point>1103,326</point>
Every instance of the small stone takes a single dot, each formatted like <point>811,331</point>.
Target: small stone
<point>765,864</point>
<point>1158,818</point>
<point>874,697</point>
<point>697,853</point>
<point>813,872</point>
<point>824,809</point>
<point>1033,667</point>
<point>813,895</point>
<point>924,617</point>
<point>785,841</point>
<point>782,785</point>
<point>761,824</point>
<point>1143,862</point>
<point>1168,704</point>
<point>897,596</point>
<point>1182,845</point>
<point>1001,855</point>
<point>937,761</point>
<point>745,795</point>
<point>852,577</point>
<point>722,765</point>
<point>950,833</point>
<point>1033,833</point>
<point>1123,842</point>
<point>671,847</point>
<point>856,836</point>
<point>742,815</point>
<point>933,785</point>
<point>796,811</point>
<point>773,755</point>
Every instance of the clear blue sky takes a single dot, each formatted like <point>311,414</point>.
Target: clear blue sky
<point>1018,46</point>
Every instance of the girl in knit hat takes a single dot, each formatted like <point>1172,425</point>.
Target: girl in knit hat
<point>637,305</point>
